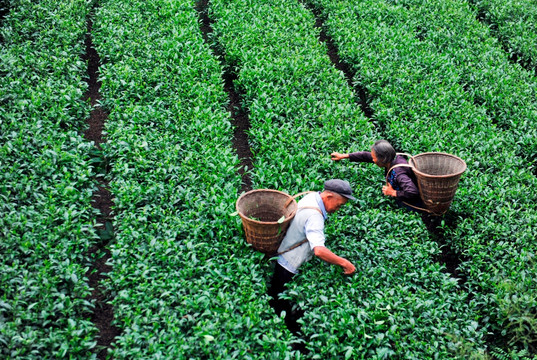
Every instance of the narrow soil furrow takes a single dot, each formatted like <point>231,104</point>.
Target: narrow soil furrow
<point>448,256</point>
<point>515,58</point>
<point>333,54</point>
<point>340,65</point>
<point>239,116</point>
<point>101,201</point>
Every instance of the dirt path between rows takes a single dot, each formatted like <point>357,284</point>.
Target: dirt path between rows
<point>102,201</point>
<point>239,117</point>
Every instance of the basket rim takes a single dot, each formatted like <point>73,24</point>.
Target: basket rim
<point>458,173</point>
<point>265,222</point>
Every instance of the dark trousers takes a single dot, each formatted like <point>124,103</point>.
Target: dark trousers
<point>277,286</point>
<point>281,277</point>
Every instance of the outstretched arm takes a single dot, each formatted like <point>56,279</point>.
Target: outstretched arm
<point>360,156</point>
<point>337,156</point>
<point>323,253</point>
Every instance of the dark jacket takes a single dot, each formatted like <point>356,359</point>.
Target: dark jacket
<point>402,179</point>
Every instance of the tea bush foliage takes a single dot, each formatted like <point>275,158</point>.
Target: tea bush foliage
<point>494,206</point>
<point>46,218</point>
<point>184,283</point>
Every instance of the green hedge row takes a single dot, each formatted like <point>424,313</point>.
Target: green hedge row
<point>506,92</point>
<point>515,25</point>
<point>285,77</point>
<point>46,183</point>
<point>400,302</point>
<point>416,92</point>
<point>184,283</point>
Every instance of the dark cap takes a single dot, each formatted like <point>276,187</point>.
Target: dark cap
<point>341,187</point>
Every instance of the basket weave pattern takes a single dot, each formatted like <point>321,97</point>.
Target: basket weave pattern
<point>260,211</point>
<point>438,176</point>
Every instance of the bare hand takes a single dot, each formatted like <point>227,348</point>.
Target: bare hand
<point>337,156</point>
<point>388,190</point>
<point>348,267</point>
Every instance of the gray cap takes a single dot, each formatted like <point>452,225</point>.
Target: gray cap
<point>341,187</point>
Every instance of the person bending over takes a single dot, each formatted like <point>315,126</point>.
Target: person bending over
<point>400,181</point>
<point>305,238</point>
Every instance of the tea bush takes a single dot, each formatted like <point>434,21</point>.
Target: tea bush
<point>46,218</point>
<point>361,315</point>
<point>185,284</point>
<point>513,23</point>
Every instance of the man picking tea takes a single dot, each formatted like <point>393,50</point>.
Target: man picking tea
<point>305,236</point>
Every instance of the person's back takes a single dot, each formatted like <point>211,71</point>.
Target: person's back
<point>309,212</point>
<point>403,181</point>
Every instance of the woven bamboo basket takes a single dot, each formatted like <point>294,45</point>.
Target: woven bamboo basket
<point>260,211</point>
<point>438,176</point>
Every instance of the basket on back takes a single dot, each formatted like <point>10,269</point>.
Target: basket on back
<point>438,177</point>
<point>260,211</point>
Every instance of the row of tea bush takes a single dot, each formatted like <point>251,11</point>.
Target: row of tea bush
<point>46,183</point>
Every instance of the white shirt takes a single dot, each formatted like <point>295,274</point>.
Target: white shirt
<point>307,224</point>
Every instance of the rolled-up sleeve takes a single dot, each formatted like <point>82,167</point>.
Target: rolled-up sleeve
<point>314,229</point>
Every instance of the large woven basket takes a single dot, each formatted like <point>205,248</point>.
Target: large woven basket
<point>260,211</point>
<point>438,176</point>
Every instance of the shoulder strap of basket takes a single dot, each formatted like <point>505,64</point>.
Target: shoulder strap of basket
<point>399,165</point>
<point>293,247</point>
<point>417,207</point>
<point>305,240</point>
<point>396,166</point>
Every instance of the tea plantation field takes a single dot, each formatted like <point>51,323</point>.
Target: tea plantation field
<point>310,77</point>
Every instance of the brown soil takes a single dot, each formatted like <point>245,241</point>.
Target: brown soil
<point>239,117</point>
<point>340,65</point>
<point>448,256</point>
<point>102,200</point>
